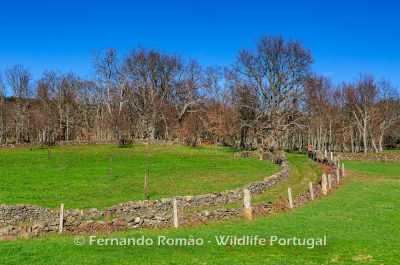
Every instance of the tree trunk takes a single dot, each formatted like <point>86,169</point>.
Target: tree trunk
<point>365,135</point>
<point>243,137</point>
<point>380,141</point>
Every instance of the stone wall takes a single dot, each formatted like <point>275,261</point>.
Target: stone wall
<point>371,157</point>
<point>320,157</point>
<point>23,213</point>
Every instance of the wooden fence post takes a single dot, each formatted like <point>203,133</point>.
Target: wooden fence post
<point>175,214</point>
<point>289,190</point>
<point>60,228</point>
<point>324,184</point>
<point>329,181</point>
<point>247,211</point>
<point>326,154</point>
<point>342,169</point>
<point>337,175</point>
<point>311,190</point>
<point>145,186</point>
<point>332,156</point>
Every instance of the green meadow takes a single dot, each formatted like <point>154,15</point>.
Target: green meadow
<point>102,175</point>
<point>361,221</point>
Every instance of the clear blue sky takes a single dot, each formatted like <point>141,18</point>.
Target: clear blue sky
<point>346,38</point>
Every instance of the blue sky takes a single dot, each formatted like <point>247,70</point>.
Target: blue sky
<point>346,37</point>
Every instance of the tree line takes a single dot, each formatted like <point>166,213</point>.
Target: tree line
<point>270,97</point>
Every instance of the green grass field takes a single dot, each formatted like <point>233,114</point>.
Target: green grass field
<point>302,170</point>
<point>78,176</point>
<point>392,151</point>
<point>371,169</point>
<point>361,220</point>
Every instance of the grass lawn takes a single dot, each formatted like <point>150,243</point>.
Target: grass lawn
<point>361,221</point>
<point>302,170</point>
<point>392,151</point>
<point>79,175</point>
<point>374,168</point>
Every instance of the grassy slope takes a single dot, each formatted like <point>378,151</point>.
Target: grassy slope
<point>302,171</point>
<point>392,151</point>
<point>361,221</point>
<point>368,168</point>
<point>79,175</point>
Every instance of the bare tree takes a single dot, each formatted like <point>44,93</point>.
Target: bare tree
<point>245,104</point>
<point>361,99</point>
<point>18,79</point>
<point>319,107</point>
<point>3,122</point>
<point>113,84</point>
<point>385,113</point>
<point>218,119</point>
<point>68,88</point>
<point>45,86</point>
<point>186,92</point>
<point>278,70</point>
<point>152,76</point>
<point>88,98</point>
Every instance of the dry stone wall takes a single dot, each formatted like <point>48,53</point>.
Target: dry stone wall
<point>371,157</point>
<point>367,157</point>
<point>323,157</point>
<point>23,213</point>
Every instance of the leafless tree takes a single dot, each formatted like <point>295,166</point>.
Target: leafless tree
<point>151,78</point>
<point>278,70</point>
<point>186,94</point>
<point>245,104</point>
<point>361,99</point>
<point>113,84</point>
<point>18,79</point>
<point>384,114</point>
<point>3,121</point>
<point>319,108</point>
<point>88,98</point>
<point>45,86</point>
